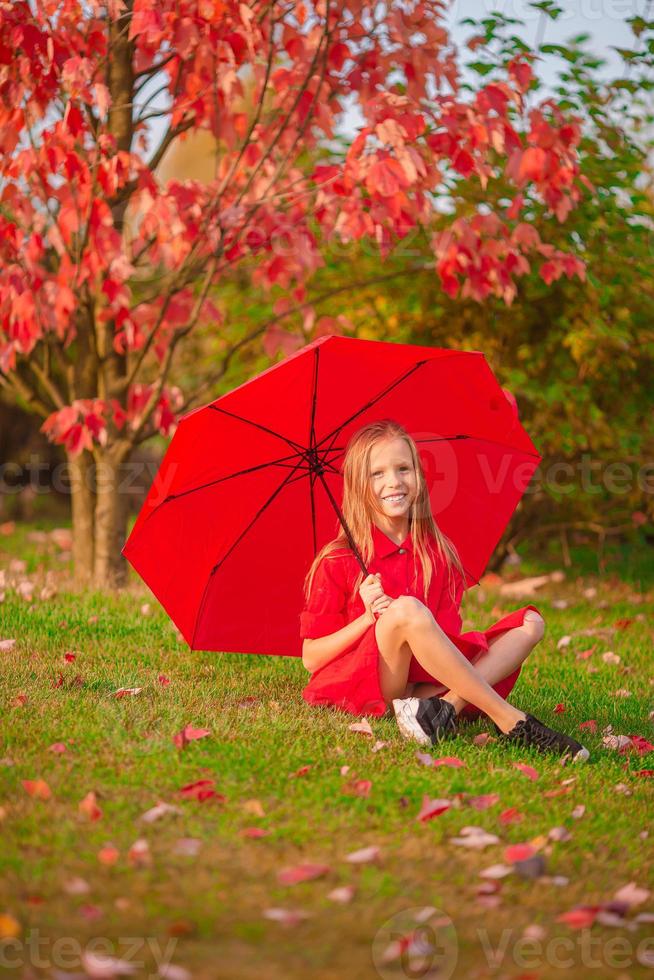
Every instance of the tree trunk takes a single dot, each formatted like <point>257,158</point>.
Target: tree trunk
<point>82,508</point>
<point>111,510</point>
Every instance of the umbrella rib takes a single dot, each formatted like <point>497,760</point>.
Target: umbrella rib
<point>264,428</point>
<point>234,544</point>
<point>282,461</point>
<point>407,374</point>
<point>312,442</point>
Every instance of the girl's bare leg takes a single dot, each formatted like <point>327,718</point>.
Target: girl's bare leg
<point>505,654</point>
<point>406,628</point>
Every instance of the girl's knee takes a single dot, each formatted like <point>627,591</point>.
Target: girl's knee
<point>406,610</point>
<point>534,625</point>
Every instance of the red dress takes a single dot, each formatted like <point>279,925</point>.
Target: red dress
<point>350,682</point>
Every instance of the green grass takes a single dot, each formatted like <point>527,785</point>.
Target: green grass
<point>209,908</point>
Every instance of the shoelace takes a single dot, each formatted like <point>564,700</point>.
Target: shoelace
<point>545,737</point>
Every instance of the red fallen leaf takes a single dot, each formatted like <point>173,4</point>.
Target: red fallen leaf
<point>254,832</point>
<point>432,808</point>
<point>622,624</point>
<point>641,744</point>
<point>287,917</point>
<point>302,771</point>
<point>163,680</point>
<point>38,788</point>
<point>189,734</point>
<point>559,709</point>
<point>248,702</point>
<point>108,854</point>
<point>358,787</point>
<point>90,807</point>
<point>484,801</point>
<point>69,657</point>
<point>57,747</point>
<point>585,654</point>
<point>580,917</point>
<point>302,872</point>
<point>559,791</point>
<point>449,760</point>
<point>58,682</point>
<point>124,692</point>
<point>139,853</point>
<point>529,771</point>
<point>201,790</point>
<point>645,773</point>
<point>19,700</point>
<point>518,852</point>
<point>91,912</point>
<point>512,815</point>
<point>35,900</point>
<point>363,727</point>
<point>590,725</point>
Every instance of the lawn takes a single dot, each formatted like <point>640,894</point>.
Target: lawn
<point>248,873</point>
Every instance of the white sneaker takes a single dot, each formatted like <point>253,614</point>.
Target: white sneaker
<point>426,720</point>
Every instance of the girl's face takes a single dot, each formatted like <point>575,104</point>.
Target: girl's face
<point>393,477</point>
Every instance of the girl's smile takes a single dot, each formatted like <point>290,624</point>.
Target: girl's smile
<point>394,483</point>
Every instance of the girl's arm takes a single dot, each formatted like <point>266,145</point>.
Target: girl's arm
<point>323,649</point>
<point>317,651</point>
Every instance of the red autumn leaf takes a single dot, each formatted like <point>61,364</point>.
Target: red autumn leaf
<point>89,806</point>
<point>69,657</point>
<point>559,709</point>
<point>302,771</point>
<point>302,872</point>
<point>512,815</point>
<point>108,854</point>
<point>253,832</point>
<point>189,734</point>
<point>641,744</point>
<point>591,725</point>
<point>484,801</point>
<point>623,624</point>
<point>201,790</point>
<point>449,760</point>
<point>163,680</point>
<point>518,852</point>
<point>559,791</point>
<point>57,747</point>
<point>644,773</point>
<point>529,771</point>
<point>358,787</point>
<point>432,808</point>
<point>38,788</point>
<point>19,701</point>
<point>581,917</point>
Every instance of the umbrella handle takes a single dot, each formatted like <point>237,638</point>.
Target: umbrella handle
<point>344,524</point>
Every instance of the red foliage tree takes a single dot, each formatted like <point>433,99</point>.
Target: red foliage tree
<point>83,217</point>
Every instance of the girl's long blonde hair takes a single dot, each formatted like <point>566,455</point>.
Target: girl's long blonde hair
<point>359,506</point>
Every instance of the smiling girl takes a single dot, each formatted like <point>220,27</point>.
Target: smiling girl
<point>391,641</point>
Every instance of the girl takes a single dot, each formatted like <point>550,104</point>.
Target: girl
<point>393,638</point>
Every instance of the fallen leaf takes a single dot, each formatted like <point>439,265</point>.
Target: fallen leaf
<point>100,967</point>
<point>484,801</point>
<point>38,788</point>
<point>559,709</point>
<point>108,854</point>
<point>364,855</point>
<point>632,894</point>
<point>254,807</point>
<point>563,642</point>
<point>496,871</point>
<point>358,787</point>
<point>343,894</point>
<point>484,738</point>
<point>287,917</point>
<point>302,872</point>
<point>528,771</point>
<point>559,834</point>
<point>57,748</point>
<point>449,760</point>
<point>124,692</point>
<point>189,734</point>
<point>379,745</point>
<point>163,680</point>
<point>139,853</point>
<point>19,700</point>
<point>518,852</point>
<point>6,646</point>
<point>302,771</point>
<point>89,807</point>
<point>158,811</point>
<point>201,790</point>
<point>512,815</point>
<point>475,837</point>
<point>610,658</point>
<point>187,846</point>
<point>253,832</point>
<point>10,927</point>
<point>580,917</point>
<point>578,812</point>
<point>432,808</point>
<point>363,727</point>
<point>641,745</point>
<point>76,886</point>
<point>590,725</point>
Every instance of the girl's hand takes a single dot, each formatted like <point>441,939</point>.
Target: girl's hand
<point>373,596</point>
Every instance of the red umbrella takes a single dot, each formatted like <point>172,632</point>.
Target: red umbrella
<point>250,485</point>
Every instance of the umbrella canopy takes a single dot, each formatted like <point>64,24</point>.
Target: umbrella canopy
<point>250,486</point>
